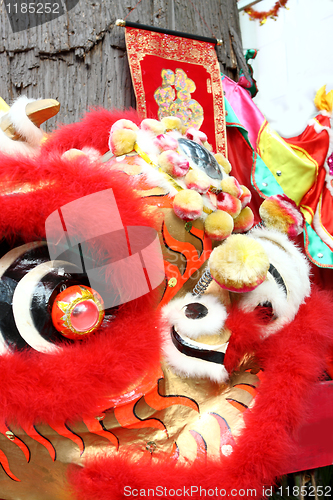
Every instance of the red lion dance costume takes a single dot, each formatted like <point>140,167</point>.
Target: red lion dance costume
<point>200,396</point>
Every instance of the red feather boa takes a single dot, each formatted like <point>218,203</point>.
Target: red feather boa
<point>80,380</point>
<point>293,361</point>
<point>91,132</point>
<point>84,377</point>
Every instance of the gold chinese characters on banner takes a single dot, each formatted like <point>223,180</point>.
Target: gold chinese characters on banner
<point>178,76</point>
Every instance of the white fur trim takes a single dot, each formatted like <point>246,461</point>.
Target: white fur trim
<point>324,112</point>
<point>211,324</point>
<point>145,140</point>
<point>8,146</point>
<point>155,178</point>
<point>186,366</point>
<point>295,271</point>
<point>319,128</point>
<point>17,115</point>
<point>327,239</point>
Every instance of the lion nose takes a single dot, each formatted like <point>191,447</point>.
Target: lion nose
<point>239,264</point>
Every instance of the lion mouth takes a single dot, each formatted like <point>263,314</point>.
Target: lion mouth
<point>206,352</point>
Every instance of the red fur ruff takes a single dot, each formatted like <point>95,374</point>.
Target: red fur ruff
<point>91,132</point>
<point>293,360</point>
<point>82,379</point>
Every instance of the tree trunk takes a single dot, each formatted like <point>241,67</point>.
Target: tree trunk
<point>80,58</point>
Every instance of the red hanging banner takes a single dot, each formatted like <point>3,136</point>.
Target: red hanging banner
<point>178,76</point>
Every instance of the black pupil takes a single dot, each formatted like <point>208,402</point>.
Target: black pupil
<point>196,311</point>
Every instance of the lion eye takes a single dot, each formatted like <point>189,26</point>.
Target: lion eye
<point>202,158</point>
<point>77,311</point>
<point>266,304</point>
<point>195,311</point>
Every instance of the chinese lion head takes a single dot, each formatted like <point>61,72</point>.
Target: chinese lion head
<point>152,339</point>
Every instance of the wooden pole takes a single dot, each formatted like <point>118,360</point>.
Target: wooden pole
<point>80,57</point>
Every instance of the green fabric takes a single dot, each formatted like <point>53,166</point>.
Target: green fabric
<point>264,179</point>
<point>316,246</point>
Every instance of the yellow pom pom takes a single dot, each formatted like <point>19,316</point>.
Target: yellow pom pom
<point>122,141</point>
<point>219,225</point>
<point>244,221</point>
<point>240,264</point>
<point>208,146</point>
<point>197,180</point>
<point>153,126</point>
<point>245,196</point>
<point>173,163</point>
<point>280,213</point>
<point>182,129</point>
<point>123,123</point>
<point>221,160</point>
<point>172,123</point>
<point>229,203</point>
<point>231,185</point>
<point>188,204</point>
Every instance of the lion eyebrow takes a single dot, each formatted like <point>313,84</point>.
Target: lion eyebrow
<point>277,277</point>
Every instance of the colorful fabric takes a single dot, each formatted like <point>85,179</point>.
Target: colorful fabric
<point>298,167</point>
<point>248,116</point>
<point>178,76</point>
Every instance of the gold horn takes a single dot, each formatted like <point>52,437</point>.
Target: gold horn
<point>37,111</point>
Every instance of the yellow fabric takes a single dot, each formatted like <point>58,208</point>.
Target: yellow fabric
<point>298,171</point>
<point>308,213</point>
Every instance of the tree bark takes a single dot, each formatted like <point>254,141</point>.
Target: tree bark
<point>80,58</point>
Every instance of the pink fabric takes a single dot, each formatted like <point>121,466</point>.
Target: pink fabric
<point>247,112</point>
